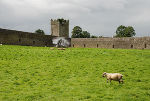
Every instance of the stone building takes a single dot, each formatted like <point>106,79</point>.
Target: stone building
<point>60,28</point>
<point>60,35</point>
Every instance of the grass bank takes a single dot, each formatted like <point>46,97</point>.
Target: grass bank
<point>41,74</point>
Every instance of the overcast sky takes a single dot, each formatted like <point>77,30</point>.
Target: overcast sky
<point>99,17</point>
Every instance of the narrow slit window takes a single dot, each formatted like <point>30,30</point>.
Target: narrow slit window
<point>84,45</point>
<point>113,46</point>
<point>33,42</point>
<point>45,43</point>
<point>19,40</point>
<point>131,46</point>
<point>145,45</point>
<point>73,45</point>
<point>97,45</point>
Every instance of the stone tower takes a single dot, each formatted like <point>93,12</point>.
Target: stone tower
<point>60,28</point>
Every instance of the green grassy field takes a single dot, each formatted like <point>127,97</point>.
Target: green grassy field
<point>41,74</point>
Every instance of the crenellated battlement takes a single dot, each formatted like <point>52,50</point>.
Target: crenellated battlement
<point>59,21</point>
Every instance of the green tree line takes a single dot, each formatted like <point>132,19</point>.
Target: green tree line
<point>121,31</point>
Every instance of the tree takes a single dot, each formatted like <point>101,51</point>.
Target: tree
<point>39,31</point>
<point>85,34</point>
<point>123,31</point>
<point>77,32</point>
<point>100,36</point>
<point>93,36</point>
<point>130,31</point>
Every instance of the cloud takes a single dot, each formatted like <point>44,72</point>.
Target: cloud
<point>99,17</point>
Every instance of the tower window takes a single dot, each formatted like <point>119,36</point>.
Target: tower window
<point>97,45</point>
<point>73,45</point>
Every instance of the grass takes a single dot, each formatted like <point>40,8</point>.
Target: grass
<point>41,74</point>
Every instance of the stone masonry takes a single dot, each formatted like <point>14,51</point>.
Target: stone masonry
<point>13,37</point>
<point>123,43</point>
<point>60,28</point>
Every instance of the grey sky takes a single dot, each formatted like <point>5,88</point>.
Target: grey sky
<point>99,17</point>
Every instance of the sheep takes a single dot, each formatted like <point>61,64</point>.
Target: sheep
<point>52,48</point>
<point>61,48</point>
<point>1,44</point>
<point>113,76</point>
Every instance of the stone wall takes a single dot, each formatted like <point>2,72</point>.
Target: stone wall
<point>124,43</point>
<point>13,37</point>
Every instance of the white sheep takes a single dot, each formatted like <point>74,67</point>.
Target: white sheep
<point>113,76</point>
<point>52,48</point>
<point>61,48</point>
